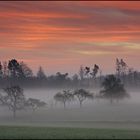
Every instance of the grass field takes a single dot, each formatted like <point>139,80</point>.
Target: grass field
<point>19,132</point>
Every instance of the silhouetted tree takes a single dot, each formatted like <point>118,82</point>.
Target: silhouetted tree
<point>136,78</point>
<point>64,97</point>
<point>14,98</point>
<point>94,71</point>
<point>118,68</point>
<point>75,80</point>
<point>41,74</point>
<point>124,66</point>
<point>113,89</point>
<point>61,79</point>
<point>82,95</point>
<point>5,69</point>
<point>87,74</point>
<point>14,68</point>
<point>87,71</point>
<point>1,72</point>
<point>25,71</point>
<point>81,74</point>
<point>121,69</point>
<point>100,77</point>
<point>35,103</point>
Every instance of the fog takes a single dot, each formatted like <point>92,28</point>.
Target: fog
<point>94,113</point>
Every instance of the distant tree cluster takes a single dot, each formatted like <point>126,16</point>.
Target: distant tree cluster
<point>15,74</point>
<point>13,97</point>
<point>68,96</point>
<point>15,69</point>
<point>113,89</point>
<point>128,76</point>
<point>20,73</point>
<point>65,96</point>
<point>88,75</point>
<point>34,104</point>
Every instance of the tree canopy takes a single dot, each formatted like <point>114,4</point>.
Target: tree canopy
<point>82,95</point>
<point>113,88</point>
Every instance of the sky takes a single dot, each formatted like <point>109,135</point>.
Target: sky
<point>62,35</point>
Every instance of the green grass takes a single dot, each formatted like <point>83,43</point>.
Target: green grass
<point>19,132</point>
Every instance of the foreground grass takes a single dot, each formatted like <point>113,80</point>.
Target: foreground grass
<point>17,132</point>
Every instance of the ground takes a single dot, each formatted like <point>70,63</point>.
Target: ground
<point>27,132</point>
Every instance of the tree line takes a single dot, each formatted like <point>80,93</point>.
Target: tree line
<point>13,97</point>
<point>14,71</point>
<point>14,76</point>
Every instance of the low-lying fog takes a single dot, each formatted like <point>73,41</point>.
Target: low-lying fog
<point>94,113</point>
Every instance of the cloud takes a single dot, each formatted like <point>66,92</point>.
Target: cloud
<point>58,33</point>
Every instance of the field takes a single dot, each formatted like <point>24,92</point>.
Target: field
<point>18,132</point>
<point>96,119</point>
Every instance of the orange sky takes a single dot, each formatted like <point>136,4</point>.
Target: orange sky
<point>61,36</point>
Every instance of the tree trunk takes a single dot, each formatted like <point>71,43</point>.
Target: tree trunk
<point>80,104</point>
<point>14,113</point>
<point>64,105</point>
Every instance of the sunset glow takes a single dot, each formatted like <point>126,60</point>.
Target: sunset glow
<point>61,36</point>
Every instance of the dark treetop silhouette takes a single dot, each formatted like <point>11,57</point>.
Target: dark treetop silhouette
<point>20,73</point>
<point>113,89</point>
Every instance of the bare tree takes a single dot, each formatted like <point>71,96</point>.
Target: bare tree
<point>121,69</point>
<point>25,70</point>
<point>14,98</point>
<point>81,74</point>
<point>35,103</point>
<point>118,68</point>
<point>82,95</point>
<point>94,73</point>
<point>64,97</point>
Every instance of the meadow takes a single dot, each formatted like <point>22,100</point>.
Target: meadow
<point>96,119</point>
<point>18,132</point>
